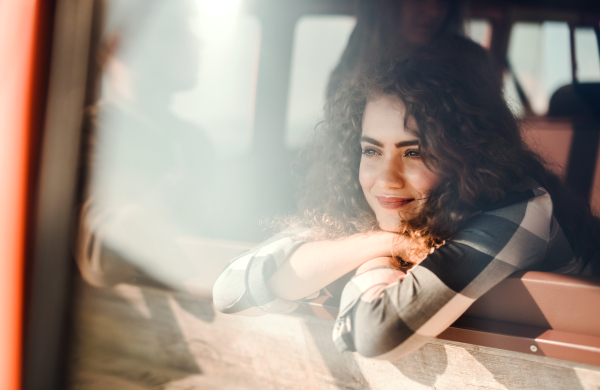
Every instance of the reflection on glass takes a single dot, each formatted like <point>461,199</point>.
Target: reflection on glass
<point>221,101</point>
<point>171,102</point>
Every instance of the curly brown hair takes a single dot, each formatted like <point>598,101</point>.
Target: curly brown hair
<point>468,136</point>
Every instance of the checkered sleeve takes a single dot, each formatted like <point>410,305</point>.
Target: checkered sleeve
<point>242,286</point>
<point>383,316</point>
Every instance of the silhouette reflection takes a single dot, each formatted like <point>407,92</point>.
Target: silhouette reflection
<point>151,170</point>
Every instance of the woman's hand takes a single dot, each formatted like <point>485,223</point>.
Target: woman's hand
<point>411,250</point>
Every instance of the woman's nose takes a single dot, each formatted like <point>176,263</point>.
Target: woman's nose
<point>390,174</point>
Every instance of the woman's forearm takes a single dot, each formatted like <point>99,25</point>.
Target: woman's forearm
<point>316,264</point>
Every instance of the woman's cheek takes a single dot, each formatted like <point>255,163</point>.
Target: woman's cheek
<point>420,178</point>
<point>366,175</point>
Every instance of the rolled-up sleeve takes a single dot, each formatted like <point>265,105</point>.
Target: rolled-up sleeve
<point>242,286</point>
<point>384,316</point>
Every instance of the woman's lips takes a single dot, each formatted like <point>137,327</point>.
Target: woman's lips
<point>388,202</point>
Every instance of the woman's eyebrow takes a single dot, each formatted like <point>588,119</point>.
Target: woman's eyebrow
<point>398,145</point>
<point>407,143</point>
<point>371,141</point>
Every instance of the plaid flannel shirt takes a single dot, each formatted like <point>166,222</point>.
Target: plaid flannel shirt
<point>384,316</point>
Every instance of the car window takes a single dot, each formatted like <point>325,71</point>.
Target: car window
<point>586,51</point>
<point>318,45</point>
<point>539,55</point>
<point>480,31</point>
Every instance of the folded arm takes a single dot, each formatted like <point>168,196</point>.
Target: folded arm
<point>272,276</point>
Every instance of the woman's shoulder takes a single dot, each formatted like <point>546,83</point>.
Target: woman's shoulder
<point>474,59</point>
<point>514,231</point>
<point>526,211</point>
<point>519,196</point>
<point>452,42</point>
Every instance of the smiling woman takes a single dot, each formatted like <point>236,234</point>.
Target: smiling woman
<point>392,174</point>
<point>423,193</point>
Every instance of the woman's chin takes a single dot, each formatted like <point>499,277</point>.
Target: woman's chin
<point>389,226</point>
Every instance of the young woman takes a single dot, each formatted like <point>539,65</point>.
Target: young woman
<point>421,183</point>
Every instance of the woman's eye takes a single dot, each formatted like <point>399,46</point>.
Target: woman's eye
<point>370,152</point>
<point>412,154</point>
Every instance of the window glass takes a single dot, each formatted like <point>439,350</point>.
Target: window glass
<point>540,56</point>
<point>211,52</point>
<point>170,128</point>
<point>586,50</point>
<point>480,31</point>
<point>221,102</point>
<point>318,45</point>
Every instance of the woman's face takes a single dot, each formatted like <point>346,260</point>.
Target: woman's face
<point>392,174</point>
